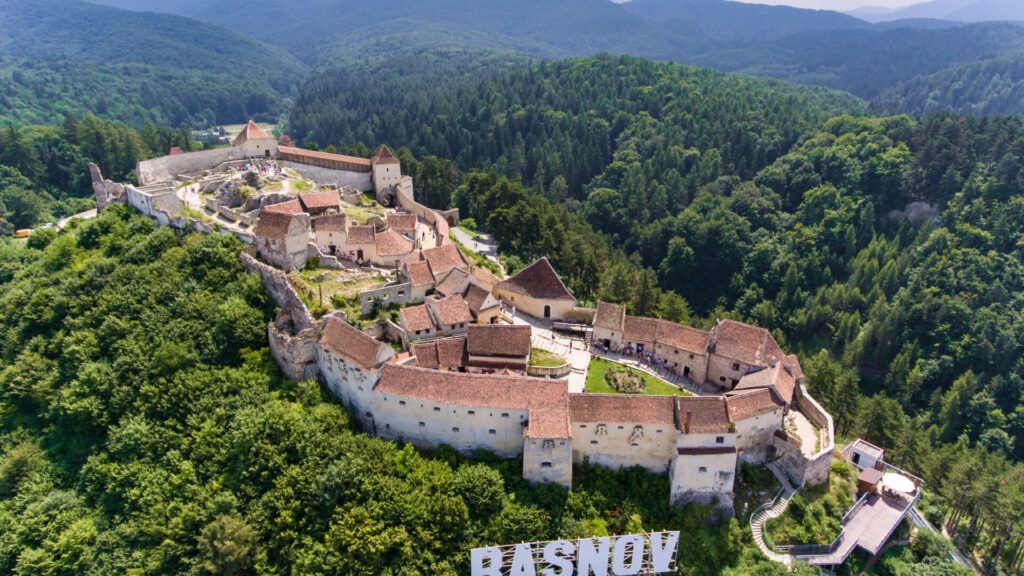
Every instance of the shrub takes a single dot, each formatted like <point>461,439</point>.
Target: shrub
<point>625,381</point>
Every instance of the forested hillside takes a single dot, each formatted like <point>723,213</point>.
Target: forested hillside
<point>569,118</point>
<point>65,56</point>
<point>144,429</point>
<point>982,88</point>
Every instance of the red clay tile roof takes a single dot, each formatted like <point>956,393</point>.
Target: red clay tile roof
<point>273,224</point>
<point>361,235</point>
<point>321,200</point>
<point>452,310</point>
<point>638,329</point>
<point>600,408</point>
<point>772,377</point>
<point>478,298</point>
<point>175,150</point>
<point>748,344</point>
<point>682,337</point>
<point>609,316</point>
<point>538,280</point>
<point>454,282</point>
<point>391,243</point>
<point>419,273</point>
<point>286,207</point>
<point>702,415</point>
<point>350,343</point>
<point>416,318</point>
<point>404,223</point>
<point>290,150</point>
<point>499,340</point>
<point>750,404</point>
<point>384,156</point>
<point>332,223</point>
<point>442,354</point>
<point>793,363</point>
<point>250,132</point>
<point>426,355</point>
<point>546,401</point>
<point>443,258</point>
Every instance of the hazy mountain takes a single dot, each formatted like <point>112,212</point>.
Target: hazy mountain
<point>955,10</point>
<point>716,20</point>
<point>660,28</point>
<point>988,10</point>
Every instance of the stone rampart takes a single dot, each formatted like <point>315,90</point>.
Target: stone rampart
<point>324,176</point>
<point>293,350</point>
<point>166,168</point>
<point>277,285</point>
<point>105,191</point>
<point>405,198</point>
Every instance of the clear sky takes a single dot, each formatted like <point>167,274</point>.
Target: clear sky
<point>838,4</point>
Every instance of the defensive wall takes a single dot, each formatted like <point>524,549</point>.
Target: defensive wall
<point>406,199</point>
<point>166,168</point>
<point>325,176</point>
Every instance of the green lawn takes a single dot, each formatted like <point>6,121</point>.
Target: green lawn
<point>596,382</point>
<point>545,359</point>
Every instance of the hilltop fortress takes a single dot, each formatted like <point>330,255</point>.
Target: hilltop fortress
<point>453,365</point>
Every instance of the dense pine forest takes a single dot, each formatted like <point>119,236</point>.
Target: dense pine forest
<point>143,428</point>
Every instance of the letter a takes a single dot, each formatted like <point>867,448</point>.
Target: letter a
<point>522,562</point>
<point>477,558</point>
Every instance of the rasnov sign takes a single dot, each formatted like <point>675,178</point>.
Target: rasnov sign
<point>653,553</point>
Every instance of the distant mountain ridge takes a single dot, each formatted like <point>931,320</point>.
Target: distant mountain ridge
<point>810,46</point>
<point>954,10</point>
<point>66,56</point>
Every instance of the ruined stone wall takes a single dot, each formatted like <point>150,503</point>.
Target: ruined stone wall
<point>817,468</point>
<point>105,191</point>
<point>400,294</point>
<point>166,168</point>
<point>325,176</point>
<point>277,285</point>
<point>294,352</point>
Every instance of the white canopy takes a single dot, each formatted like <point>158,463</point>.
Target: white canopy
<point>898,482</point>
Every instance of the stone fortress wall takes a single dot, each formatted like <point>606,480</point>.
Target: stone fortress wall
<point>325,176</point>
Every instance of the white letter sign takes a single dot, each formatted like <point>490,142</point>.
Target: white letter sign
<point>608,556</point>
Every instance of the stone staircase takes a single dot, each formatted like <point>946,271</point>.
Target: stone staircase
<point>770,510</point>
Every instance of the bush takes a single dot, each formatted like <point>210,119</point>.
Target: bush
<point>625,381</point>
